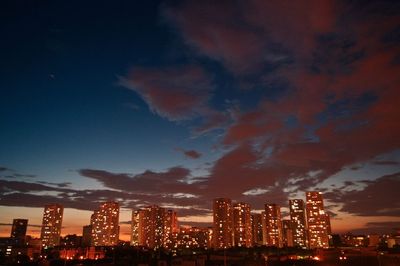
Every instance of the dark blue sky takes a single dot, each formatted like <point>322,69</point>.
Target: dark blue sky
<point>264,99</point>
<point>62,102</point>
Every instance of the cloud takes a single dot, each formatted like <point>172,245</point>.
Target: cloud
<point>340,82</point>
<point>22,186</point>
<point>168,189</point>
<point>176,93</point>
<point>30,225</point>
<point>312,88</point>
<point>90,199</point>
<point>386,162</point>
<point>377,198</point>
<point>386,227</point>
<point>254,38</point>
<point>336,66</point>
<point>11,173</point>
<point>31,200</point>
<point>149,182</point>
<point>61,185</point>
<point>192,154</point>
<point>388,224</point>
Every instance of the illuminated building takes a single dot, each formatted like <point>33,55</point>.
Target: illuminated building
<point>142,228</point>
<point>154,227</point>
<point>316,220</point>
<point>257,229</point>
<point>298,218</point>
<point>273,225</point>
<point>51,225</point>
<point>105,225</point>
<point>18,230</point>
<point>157,221</point>
<point>135,229</point>
<point>96,223</point>
<point>222,223</point>
<point>193,237</point>
<point>355,240</point>
<point>170,228</point>
<point>264,227</point>
<point>287,233</point>
<point>242,225</point>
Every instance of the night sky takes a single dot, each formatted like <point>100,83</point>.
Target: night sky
<point>178,102</point>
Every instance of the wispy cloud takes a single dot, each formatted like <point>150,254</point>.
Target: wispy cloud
<point>192,154</point>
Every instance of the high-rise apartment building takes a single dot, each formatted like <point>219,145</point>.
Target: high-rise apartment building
<point>298,218</point>
<point>242,225</point>
<point>273,225</point>
<point>143,227</point>
<point>151,224</point>
<point>105,225</point>
<point>154,227</point>
<point>18,230</point>
<point>135,229</point>
<point>51,225</point>
<point>157,222</point>
<point>257,229</point>
<point>316,220</point>
<point>222,223</point>
<point>264,226</point>
<point>171,229</point>
<point>287,233</point>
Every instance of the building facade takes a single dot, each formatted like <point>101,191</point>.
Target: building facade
<point>105,225</point>
<point>171,229</point>
<point>298,220</point>
<point>135,227</point>
<point>257,229</point>
<point>273,225</point>
<point>154,227</point>
<point>222,223</point>
<point>318,235</point>
<point>264,226</point>
<point>287,233</point>
<point>51,225</point>
<point>242,230</point>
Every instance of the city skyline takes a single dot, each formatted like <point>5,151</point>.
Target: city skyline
<point>234,223</point>
<point>177,103</point>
